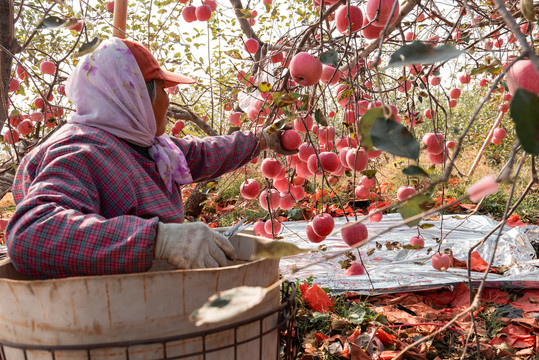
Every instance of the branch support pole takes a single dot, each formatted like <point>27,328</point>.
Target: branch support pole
<point>120,19</point>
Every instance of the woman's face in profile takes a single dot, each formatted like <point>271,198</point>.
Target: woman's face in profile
<point>160,106</point>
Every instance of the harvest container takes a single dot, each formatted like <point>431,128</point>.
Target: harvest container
<point>140,316</point>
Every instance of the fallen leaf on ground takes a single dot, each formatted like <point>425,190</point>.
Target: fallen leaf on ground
<point>529,302</point>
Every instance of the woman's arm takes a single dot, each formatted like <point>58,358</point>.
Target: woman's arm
<point>213,156</point>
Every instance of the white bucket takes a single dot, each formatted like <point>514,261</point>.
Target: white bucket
<point>107,309</point>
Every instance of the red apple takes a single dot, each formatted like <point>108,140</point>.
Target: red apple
<point>441,262</point>
<point>361,192</point>
<point>305,69</point>
<point>272,227</point>
<point>203,13</point>
<point>404,192</point>
<point>380,11</point>
<point>271,168</point>
<point>417,241</point>
<point>366,182</point>
<point>11,136</point>
<point>435,80</point>
<point>189,13</point>
<point>298,192</point>
<point>235,118</point>
<point>271,198</point>
<point>110,6</point>
<point>323,224</point>
<point>302,169</point>
<point>252,46</point>
<point>212,4</point>
<point>432,143</point>
<point>25,127</point>
<point>305,151</point>
<point>523,75</point>
<point>357,159</point>
<point>259,228</point>
<point>348,20</point>
<point>465,78</point>
<point>371,32</point>
<point>250,189</point>
<point>14,85</point>
<point>330,75</point>
<point>329,161</point>
<point>291,140</point>
<point>374,218</point>
<point>21,73</point>
<point>287,201</point>
<point>312,236</point>
<point>354,235</point>
<point>355,269</point>
<point>454,93</point>
<point>303,123</point>
<point>47,67</point>
<point>500,133</point>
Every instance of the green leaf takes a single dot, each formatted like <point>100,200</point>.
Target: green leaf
<point>228,304</point>
<point>50,22</point>
<point>527,9</point>
<point>246,14</point>
<point>425,226</point>
<point>281,99</point>
<point>365,125</point>
<point>414,170</point>
<point>524,109</point>
<point>88,47</point>
<point>412,247</point>
<point>276,249</point>
<point>329,58</point>
<point>320,118</point>
<point>264,87</point>
<point>235,54</point>
<point>356,314</point>
<point>345,94</point>
<point>390,136</point>
<point>419,53</point>
<point>415,207</point>
<point>369,173</point>
<point>71,22</point>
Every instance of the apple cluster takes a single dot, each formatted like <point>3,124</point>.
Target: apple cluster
<point>203,12</point>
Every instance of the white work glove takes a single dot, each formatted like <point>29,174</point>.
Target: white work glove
<point>192,246</point>
<point>272,139</point>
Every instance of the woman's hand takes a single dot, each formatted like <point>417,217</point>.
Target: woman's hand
<point>192,246</point>
<point>272,140</point>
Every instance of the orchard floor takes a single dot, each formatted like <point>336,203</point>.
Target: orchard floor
<point>403,299</point>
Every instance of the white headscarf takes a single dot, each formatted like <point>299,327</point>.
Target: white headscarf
<point>109,92</point>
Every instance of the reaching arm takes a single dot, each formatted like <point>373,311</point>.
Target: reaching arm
<point>213,156</point>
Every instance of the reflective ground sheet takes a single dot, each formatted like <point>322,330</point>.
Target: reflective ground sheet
<point>392,268</point>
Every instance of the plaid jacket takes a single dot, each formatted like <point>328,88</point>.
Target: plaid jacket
<point>88,203</point>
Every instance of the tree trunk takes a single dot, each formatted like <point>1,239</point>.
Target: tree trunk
<point>8,42</point>
<point>193,205</point>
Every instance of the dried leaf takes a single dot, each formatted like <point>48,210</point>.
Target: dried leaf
<point>276,249</point>
<point>228,304</point>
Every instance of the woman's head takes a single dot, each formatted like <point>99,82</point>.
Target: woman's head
<point>120,88</point>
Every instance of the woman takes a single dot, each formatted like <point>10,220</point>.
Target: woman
<point>101,196</point>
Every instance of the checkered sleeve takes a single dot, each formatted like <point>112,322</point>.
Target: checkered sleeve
<point>213,156</point>
<point>57,230</point>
